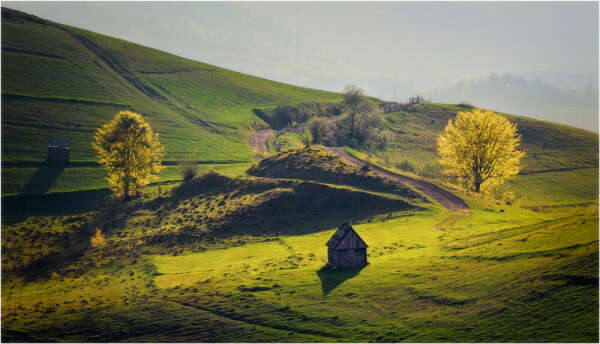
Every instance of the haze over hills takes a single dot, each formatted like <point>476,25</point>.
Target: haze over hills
<point>570,99</point>
<point>529,97</point>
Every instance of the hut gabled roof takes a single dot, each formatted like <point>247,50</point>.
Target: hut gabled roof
<point>344,230</point>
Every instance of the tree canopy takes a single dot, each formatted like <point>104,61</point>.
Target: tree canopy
<point>130,151</point>
<point>480,148</point>
<point>353,95</point>
<point>362,125</point>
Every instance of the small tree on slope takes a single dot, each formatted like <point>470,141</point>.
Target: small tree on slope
<point>130,151</point>
<point>480,147</point>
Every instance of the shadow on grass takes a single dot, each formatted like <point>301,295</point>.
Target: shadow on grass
<point>43,179</point>
<point>307,208</point>
<point>332,278</point>
<point>18,208</point>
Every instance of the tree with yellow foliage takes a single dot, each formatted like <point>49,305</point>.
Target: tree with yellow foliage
<point>480,148</point>
<point>130,151</point>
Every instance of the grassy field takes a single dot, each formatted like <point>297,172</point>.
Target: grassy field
<point>502,273</point>
<point>556,188</point>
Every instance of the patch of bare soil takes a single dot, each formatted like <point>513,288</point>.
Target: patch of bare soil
<point>259,140</point>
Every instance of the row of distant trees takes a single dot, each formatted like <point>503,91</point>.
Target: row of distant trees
<point>356,121</point>
<point>478,148</point>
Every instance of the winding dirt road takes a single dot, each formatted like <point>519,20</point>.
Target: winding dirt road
<point>259,143</point>
<point>445,198</point>
<point>259,140</point>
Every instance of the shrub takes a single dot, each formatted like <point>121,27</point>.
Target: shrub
<point>499,193</point>
<point>289,141</point>
<point>188,172</point>
<point>431,170</point>
<point>321,131</point>
<point>308,138</point>
<point>188,169</point>
<point>98,239</point>
<point>406,166</point>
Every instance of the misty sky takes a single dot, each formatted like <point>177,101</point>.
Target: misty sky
<point>390,49</point>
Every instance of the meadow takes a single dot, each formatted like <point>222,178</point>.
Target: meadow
<point>238,254</point>
<point>501,273</point>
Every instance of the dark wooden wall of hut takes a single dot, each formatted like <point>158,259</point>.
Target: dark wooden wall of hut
<point>347,258</point>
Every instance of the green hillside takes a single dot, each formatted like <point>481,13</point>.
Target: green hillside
<point>81,79</point>
<point>548,145</point>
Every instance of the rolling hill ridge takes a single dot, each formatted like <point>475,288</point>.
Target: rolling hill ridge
<point>75,80</point>
<point>81,79</point>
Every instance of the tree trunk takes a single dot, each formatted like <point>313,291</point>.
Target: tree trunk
<point>477,186</point>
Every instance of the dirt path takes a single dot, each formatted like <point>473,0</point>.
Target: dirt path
<point>445,198</point>
<point>564,169</point>
<point>259,140</point>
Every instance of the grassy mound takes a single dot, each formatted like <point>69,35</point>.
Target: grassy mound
<point>212,183</point>
<point>320,165</point>
<point>210,210</point>
<point>216,207</point>
<point>42,243</point>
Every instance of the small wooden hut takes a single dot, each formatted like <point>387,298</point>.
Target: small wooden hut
<point>59,151</point>
<point>346,249</point>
